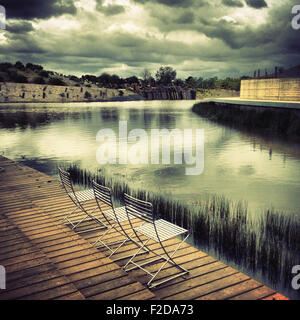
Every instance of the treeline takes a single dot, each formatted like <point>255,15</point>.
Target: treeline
<point>165,76</point>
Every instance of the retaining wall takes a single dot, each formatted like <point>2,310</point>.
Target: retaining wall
<point>27,92</point>
<point>286,89</point>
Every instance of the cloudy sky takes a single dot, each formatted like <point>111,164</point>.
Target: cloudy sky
<point>196,37</point>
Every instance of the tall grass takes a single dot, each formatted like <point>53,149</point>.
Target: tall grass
<point>269,244</point>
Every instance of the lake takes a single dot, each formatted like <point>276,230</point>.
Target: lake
<point>262,171</point>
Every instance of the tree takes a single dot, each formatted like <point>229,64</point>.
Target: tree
<point>179,83</point>
<point>17,77</point>
<point>146,76</point>
<point>132,79</point>
<point>34,67</point>
<point>19,65</point>
<point>165,75</point>
<point>191,82</point>
<point>44,73</point>
<point>104,79</point>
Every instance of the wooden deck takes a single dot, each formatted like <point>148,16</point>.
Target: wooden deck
<point>44,259</point>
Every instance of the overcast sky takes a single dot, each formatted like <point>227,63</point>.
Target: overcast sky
<point>196,37</point>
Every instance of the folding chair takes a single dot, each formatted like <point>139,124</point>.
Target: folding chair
<point>114,218</point>
<point>157,230</point>
<point>79,198</point>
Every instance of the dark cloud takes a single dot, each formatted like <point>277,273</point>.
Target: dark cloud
<point>173,3</point>
<point>233,3</point>
<point>41,9</point>
<point>185,18</point>
<point>19,27</point>
<point>195,41</point>
<point>257,4</point>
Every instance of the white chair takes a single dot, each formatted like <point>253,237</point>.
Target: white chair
<point>114,218</point>
<point>157,230</point>
<point>79,198</point>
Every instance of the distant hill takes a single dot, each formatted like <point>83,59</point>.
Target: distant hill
<point>34,73</point>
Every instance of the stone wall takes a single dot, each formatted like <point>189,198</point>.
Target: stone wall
<point>286,89</point>
<point>27,92</point>
<point>169,93</point>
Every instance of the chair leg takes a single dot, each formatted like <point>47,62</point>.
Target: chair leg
<point>136,253</point>
<point>68,215</point>
<point>129,238</point>
<point>100,238</point>
<point>169,259</point>
<point>91,216</point>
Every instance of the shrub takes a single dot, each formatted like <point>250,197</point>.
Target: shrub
<point>39,80</point>
<point>34,67</point>
<point>19,65</point>
<point>87,95</point>
<point>44,73</point>
<point>56,82</point>
<point>5,66</point>
<point>17,77</point>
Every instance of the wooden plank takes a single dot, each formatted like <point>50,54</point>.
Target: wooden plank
<point>140,295</point>
<point>255,294</point>
<point>119,292</point>
<point>213,285</point>
<point>33,288</point>
<point>107,286</point>
<point>232,291</point>
<point>37,250</point>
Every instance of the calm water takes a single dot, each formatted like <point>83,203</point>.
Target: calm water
<point>264,172</point>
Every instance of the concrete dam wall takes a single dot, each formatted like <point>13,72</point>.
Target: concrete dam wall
<point>27,92</point>
<point>169,93</point>
<point>284,89</point>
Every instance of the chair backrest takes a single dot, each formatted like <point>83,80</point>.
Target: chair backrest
<point>102,193</point>
<point>66,181</point>
<point>138,208</point>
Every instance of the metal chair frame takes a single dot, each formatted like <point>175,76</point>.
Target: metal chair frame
<point>88,194</point>
<point>114,218</point>
<point>157,230</point>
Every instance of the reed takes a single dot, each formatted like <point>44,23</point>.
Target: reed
<point>269,245</point>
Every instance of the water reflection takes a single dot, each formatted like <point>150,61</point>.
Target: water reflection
<point>263,171</point>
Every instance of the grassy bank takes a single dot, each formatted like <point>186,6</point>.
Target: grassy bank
<point>269,245</point>
<point>269,121</point>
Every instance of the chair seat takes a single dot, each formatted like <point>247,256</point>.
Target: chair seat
<point>120,213</point>
<point>84,195</point>
<point>166,230</point>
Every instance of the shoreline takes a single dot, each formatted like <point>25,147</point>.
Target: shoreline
<point>270,121</point>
